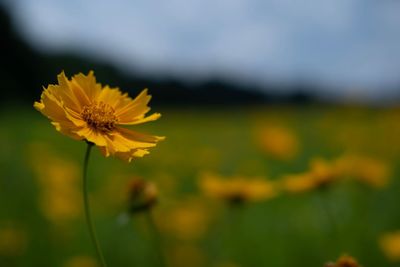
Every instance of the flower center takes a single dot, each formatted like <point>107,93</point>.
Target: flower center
<point>99,116</point>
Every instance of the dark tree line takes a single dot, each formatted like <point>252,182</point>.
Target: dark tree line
<point>24,71</point>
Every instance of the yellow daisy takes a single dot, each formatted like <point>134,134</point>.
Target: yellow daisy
<point>237,189</point>
<point>390,245</point>
<point>85,110</point>
<point>344,261</point>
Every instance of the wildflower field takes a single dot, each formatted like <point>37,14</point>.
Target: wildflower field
<point>277,186</point>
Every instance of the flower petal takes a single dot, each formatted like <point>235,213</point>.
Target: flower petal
<point>67,128</point>
<point>77,91</point>
<point>52,108</point>
<point>63,92</point>
<point>128,156</point>
<point>88,84</point>
<point>113,97</point>
<point>134,109</point>
<point>93,136</point>
<point>152,117</point>
<point>74,117</point>
<point>126,144</point>
<point>136,140</point>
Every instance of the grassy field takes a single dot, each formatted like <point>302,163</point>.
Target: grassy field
<point>41,214</point>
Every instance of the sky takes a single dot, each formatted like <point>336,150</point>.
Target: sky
<point>351,46</point>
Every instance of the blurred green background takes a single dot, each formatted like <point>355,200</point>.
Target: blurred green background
<point>42,222</point>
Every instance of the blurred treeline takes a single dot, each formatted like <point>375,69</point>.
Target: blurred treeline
<point>24,71</point>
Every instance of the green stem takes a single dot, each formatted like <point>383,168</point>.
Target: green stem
<point>87,208</point>
<point>156,237</point>
<point>328,211</point>
<point>333,236</point>
<point>234,225</point>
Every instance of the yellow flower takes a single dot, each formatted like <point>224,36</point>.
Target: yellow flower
<point>13,240</point>
<point>58,183</point>
<point>321,174</point>
<point>183,255</point>
<point>390,245</point>
<point>187,220</point>
<point>237,189</point>
<point>279,142</point>
<point>344,261</point>
<point>367,170</point>
<point>297,183</point>
<point>85,110</point>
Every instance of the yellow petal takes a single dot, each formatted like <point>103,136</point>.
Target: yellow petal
<point>74,117</point>
<point>104,151</point>
<point>112,97</point>
<point>79,93</point>
<point>138,140</point>
<point>38,106</point>
<point>130,155</point>
<point>124,141</point>
<point>152,117</point>
<point>115,143</point>
<point>118,149</point>
<point>50,107</point>
<point>77,89</point>
<point>97,138</point>
<point>64,93</point>
<point>134,109</point>
<point>88,84</point>
<point>67,128</point>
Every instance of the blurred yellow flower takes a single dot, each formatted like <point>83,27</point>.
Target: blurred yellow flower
<point>324,172</point>
<point>13,240</point>
<point>390,245</point>
<point>297,183</point>
<point>185,255</point>
<point>58,180</point>
<point>188,220</point>
<point>81,261</point>
<point>278,142</point>
<point>367,170</point>
<point>85,110</point>
<point>321,174</point>
<point>237,189</point>
<point>344,261</point>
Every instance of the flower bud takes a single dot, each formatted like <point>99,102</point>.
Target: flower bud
<point>142,195</point>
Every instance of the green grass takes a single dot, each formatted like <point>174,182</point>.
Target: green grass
<point>289,230</point>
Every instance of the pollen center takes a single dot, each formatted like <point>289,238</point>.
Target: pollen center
<point>99,116</point>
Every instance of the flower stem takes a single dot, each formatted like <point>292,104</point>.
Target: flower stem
<point>156,237</point>
<point>327,209</point>
<point>87,208</point>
